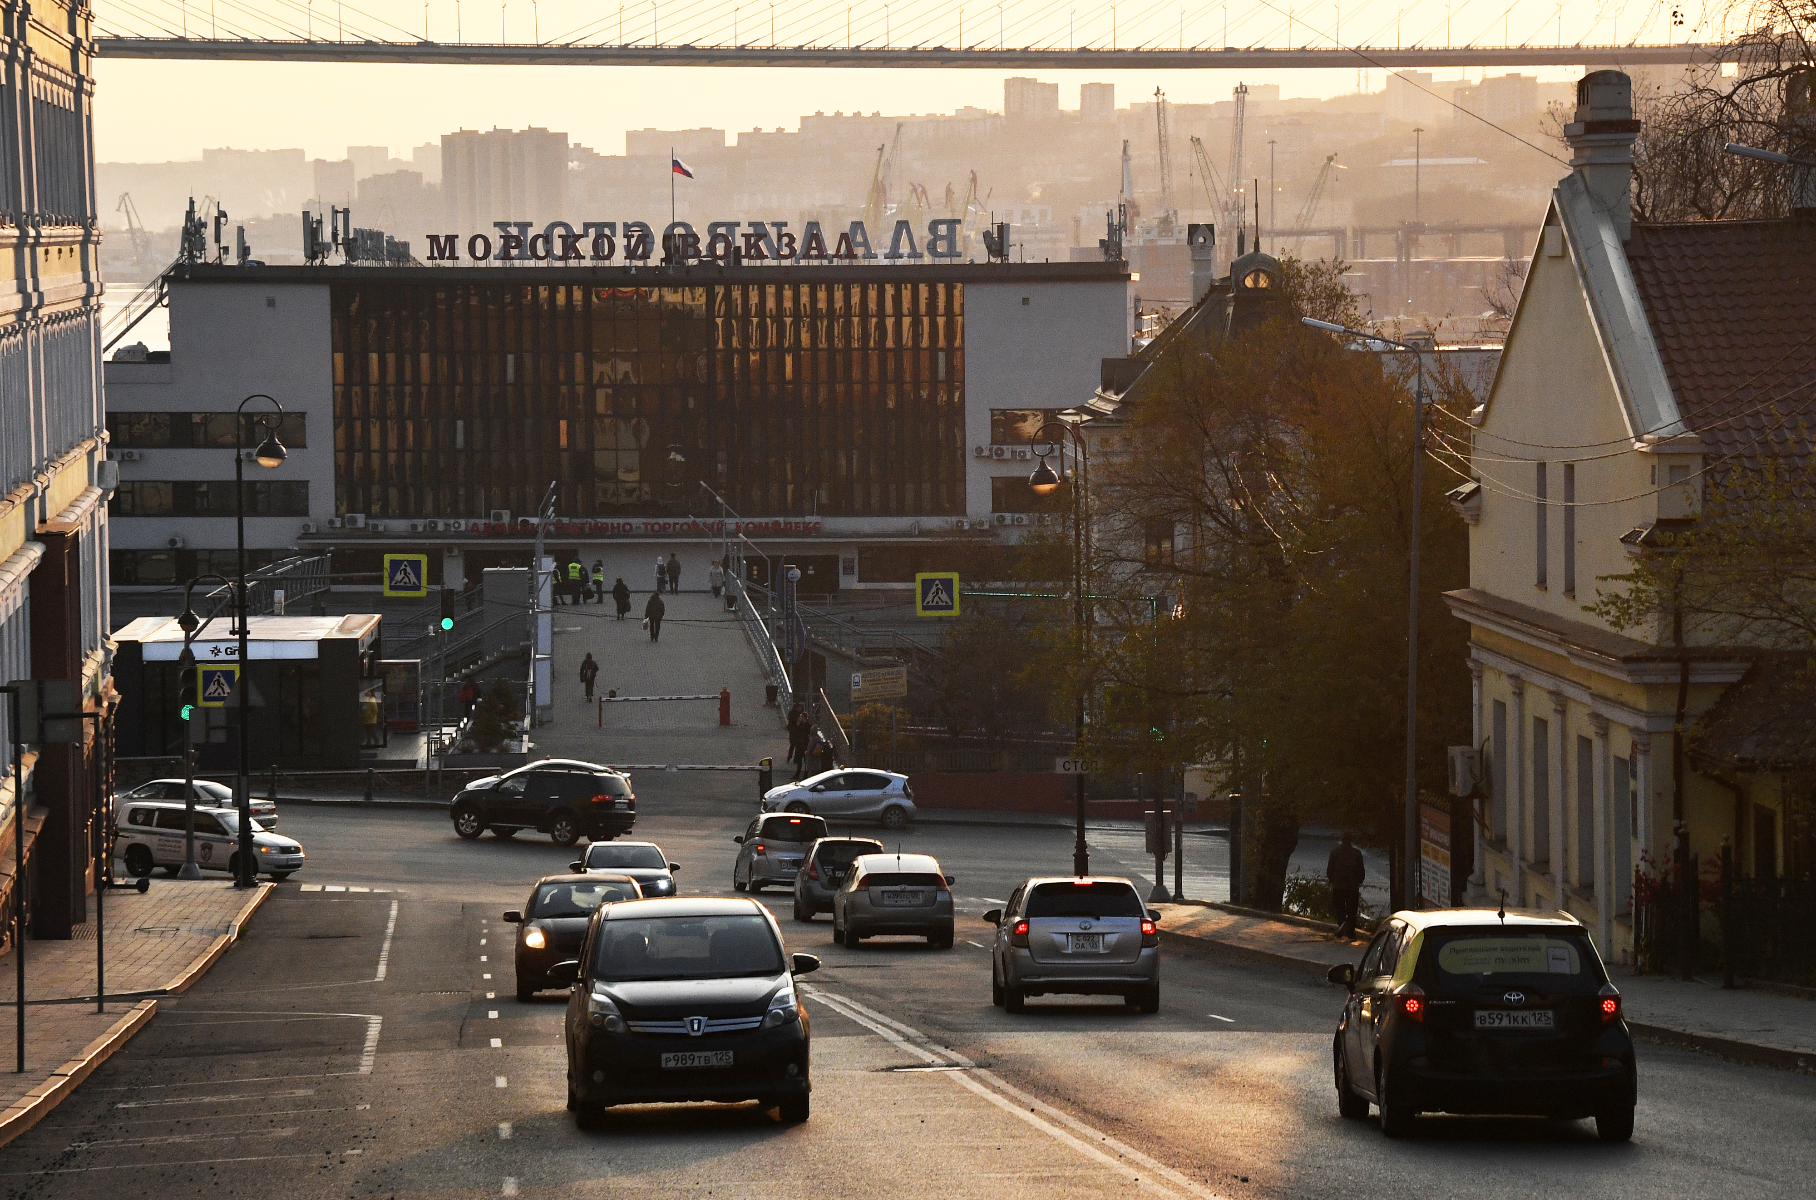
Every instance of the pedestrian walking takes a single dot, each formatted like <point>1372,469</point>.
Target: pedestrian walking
<point>715,575</point>
<point>598,582</point>
<point>674,572</point>
<point>469,696</point>
<point>621,595</point>
<point>799,728</point>
<point>1346,871</point>
<point>661,575</point>
<point>652,617</point>
<point>589,671</point>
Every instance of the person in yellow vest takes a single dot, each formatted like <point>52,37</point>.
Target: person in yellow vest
<point>575,573</point>
<point>598,582</point>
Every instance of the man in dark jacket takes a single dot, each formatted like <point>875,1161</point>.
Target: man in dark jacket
<point>1346,871</point>
<point>799,729</point>
<point>652,616</point>
<point>589,671</point>
<point>674,572</point>
<point>621,596</point>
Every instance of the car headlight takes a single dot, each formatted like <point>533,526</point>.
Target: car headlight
<point>601,1013</point>
<point>783,1009</point>
<point>534,939</point>
<point>662,885</point>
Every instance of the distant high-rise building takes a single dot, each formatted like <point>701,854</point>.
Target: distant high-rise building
<point>1499,100</point>
<point>657,143</point>
<point>369,160</point>
<point>504,175</point>
<point>426,158</point>
<point>1413,97</point>
<point>1097,101</point>
<point>333,181</point>
<point>1027,99</point>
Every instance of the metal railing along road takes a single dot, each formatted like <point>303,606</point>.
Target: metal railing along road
<point>764,646</point>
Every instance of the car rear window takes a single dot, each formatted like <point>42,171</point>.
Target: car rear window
<point>614,785</point>
<point>1096,900</point>
<point>686,948</point>
<point>842,854</point>
<point>1496,957</point>
<point>792,829</point>
<point>578,899</point>
<point>902,879</point>
<point>604,854</point>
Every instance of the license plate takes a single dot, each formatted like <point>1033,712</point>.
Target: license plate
<point>683,1060</point>
<point>1082,943</point>
<point>1505,1019</point>
<point>903,898</point>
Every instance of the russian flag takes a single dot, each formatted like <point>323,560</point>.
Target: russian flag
<point>679,167</point>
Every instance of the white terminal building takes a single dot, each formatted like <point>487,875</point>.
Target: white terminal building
<point>868,421</point>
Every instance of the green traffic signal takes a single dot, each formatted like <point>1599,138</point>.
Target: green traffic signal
<point>447,623</point>
<point>188,711</point>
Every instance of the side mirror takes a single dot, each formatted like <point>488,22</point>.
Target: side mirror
<point>994,916</point>
<point>803,964</point>
<point>673,867</point>
<point>577,867</point>
<point>950,880</point>
<point>1344,974</point>
<point>513,917</point>
<point>1154,914</point>
<point>563,974</point>
<point>739,839</point>
<point>818,787</point>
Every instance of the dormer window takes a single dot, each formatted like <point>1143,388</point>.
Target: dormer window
<point>1257,278</point>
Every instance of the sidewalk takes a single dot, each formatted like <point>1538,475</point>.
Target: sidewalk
<point>160,942</point>
<point>1751,1026</point>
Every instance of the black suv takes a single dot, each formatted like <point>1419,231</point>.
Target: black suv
<point>562,797</point>
<point>1479,1011</point>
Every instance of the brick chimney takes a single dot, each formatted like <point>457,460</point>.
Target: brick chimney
<point>1602,139</point>
<point>1202,241</point>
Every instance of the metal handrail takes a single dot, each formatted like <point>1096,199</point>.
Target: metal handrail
<point>764,646</point>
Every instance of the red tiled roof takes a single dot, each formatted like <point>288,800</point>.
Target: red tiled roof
<point>1732,306</point>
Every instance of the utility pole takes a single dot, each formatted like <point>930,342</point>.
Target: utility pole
<point>1273,230</point>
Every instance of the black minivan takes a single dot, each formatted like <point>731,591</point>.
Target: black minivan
<point>562,797</point>
<point>683,1000</point>
<point>1483,1012</point>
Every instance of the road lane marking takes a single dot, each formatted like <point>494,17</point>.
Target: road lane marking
<point>1226,1020</point>
<point>482,958</point>
<point>214,1099</point>
<point>482,941</point>
<point>969,942</point>
<point>373,1025</point>
<point>499,1081</point>
<point>333,887</point>
<point>487,975</point>
<point>504,1131</point>
<point>491,1014</point>
<point>172,1139</point>
<point>1000,1092</point>
<point>510,1185</point>
<point>309,887</point>
<point>491,995</point>
<point>359,889</point>
<point>384,951</point>
<point>497,1043</point>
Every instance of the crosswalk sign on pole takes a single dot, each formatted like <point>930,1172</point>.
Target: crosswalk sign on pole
<point>936,594</point>
<point>406,575</point>
<point>215,683</point>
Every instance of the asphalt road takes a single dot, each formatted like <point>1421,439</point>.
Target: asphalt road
<point>365,1043</point>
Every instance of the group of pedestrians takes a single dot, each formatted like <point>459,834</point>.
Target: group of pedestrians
<point>575,584</point>
<point>808,748</point>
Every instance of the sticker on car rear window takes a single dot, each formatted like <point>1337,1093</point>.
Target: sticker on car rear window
<point>1509,956</point>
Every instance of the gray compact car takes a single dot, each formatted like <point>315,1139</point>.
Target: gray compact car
<point>850,792</point>
<point>772,850</point>
<point>1085,935</point>
<point>818,881</point>
<point>893,894</point>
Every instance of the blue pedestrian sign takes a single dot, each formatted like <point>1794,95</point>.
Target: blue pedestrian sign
<point>936,594</point>
<point>215,684</point>
<point>407,575</point>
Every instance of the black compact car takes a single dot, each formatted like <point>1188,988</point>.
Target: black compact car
<point>1480,1011</point>
<point>552,924</point>
<point>562,797</point>
<point>683,1000</point>
<point>824,870</point>
<point>642,861</point>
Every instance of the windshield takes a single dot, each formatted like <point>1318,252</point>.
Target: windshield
<point>686,948</point>
<point>578,899</point>
<point>231,821</point>
<point>1501,957</point>
<point>793,829</point>
<point>1094,900</point>
<point>607,855</point>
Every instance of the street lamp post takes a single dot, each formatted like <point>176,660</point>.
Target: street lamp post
<point>191,625</point>
<point>1045,481</point>
<point>1409,871</point>
<point>270,453</point>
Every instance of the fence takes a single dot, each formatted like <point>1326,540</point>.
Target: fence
<point>768,657</point>
<point>1760,926</point>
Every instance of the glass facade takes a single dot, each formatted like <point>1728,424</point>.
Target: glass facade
<point>817,397</point>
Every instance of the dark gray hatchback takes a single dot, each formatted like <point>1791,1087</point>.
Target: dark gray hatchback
<point>824,871</point>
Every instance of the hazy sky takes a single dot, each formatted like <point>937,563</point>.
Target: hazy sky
<point>153,111</point>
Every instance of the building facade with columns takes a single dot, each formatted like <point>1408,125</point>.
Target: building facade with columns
<point>1642,361</point>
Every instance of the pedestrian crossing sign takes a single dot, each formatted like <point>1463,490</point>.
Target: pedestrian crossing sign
<point>406,575</point>
<point>936,594</point>
<point>215,683</point>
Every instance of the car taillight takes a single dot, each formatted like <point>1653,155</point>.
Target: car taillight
<point>759,850</point>
<point>1412,1002</point>
<point>1610,1003</point>
<point>813,870</point>
<point>600,797</point>
<point>631,800</point>
<point>1018,936</point>
<point>1150,934</point>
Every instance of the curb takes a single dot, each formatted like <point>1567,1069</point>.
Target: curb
<point>218,947</point>
<point>1252,953</point>
<point>362,802</point>
<point>1746,1053</point>
<point>36,1104</point>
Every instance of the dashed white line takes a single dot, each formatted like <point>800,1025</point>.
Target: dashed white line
<point>504,1131</point>
<point>482,941</point>
<point>373,1025</point>
<point>510,1186</point>
<point>969,942</point>
<point>215,1099</point>
<point>491,1014</point>
<point>333,887</point>
<point>309,887</point>
<point>497,1043</point>
<point>359,889</point>
<point>482,958</point>
<point>487,975</point>
<point>384,951</point>
<point>499,1081</point>
<point>491,995</point>
<point>1225,1020</point>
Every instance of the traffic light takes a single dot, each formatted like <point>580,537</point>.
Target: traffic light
<point>447,623</point>
<point>187,711</point>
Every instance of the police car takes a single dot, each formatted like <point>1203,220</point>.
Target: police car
<point>151,835</point>
<point>207,792</point>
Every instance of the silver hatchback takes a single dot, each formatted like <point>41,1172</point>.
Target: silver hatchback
<point>893,893</point>
<point>1084,935</point>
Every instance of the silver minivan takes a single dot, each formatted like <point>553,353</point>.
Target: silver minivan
<point>891,894</point>
<point>1080,935</point>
